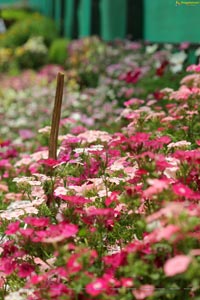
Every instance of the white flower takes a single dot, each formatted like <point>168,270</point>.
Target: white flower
<point>178,58</point>
<point>21,294</point>
<point>151,49</point>
<point>197,52</point>
<point>168,46</point>
<point>36,44</point>
<point>176,68</point>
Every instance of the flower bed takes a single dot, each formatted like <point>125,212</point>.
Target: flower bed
<point>122,220</point>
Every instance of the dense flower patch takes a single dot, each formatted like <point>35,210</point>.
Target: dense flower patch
<point>116,216</point>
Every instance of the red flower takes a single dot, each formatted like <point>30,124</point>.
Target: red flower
<point>131,76</point>
<point>50,162</point>
<point>160,71</point>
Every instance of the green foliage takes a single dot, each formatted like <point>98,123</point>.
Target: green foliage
<point>21,31</point>
<point>58,51</point>
<point>15,14</point>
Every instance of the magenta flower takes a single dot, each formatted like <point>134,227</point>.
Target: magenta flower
<point>25,269</point>
<point>193,68</point>
<point>75,200</point>
<point>49,162</point>
<point>58,289</point>
<point>59,232</point>
<point>12,228</point>
<point>37,222</point>
<point>182,190</point>
<point>7,265</point>
<point>177,265</point>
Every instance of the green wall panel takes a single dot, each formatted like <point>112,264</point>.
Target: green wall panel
<point>166,22</point>
<point>84,16</point>
<point>113,19</point>
<point>69,16</point>
<point>44,6</point>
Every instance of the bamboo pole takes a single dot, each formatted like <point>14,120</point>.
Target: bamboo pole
<point>53,142</point>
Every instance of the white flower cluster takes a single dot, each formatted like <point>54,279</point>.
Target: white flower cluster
<point>36,44</point>
<point>176,60</point>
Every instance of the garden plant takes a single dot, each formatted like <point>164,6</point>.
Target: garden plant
<point>114,213</point>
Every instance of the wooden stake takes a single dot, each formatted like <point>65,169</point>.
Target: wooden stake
<point>53,142</point>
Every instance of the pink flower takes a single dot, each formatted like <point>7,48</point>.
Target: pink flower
<point>3,187</point>
<point>193,68</point>
<point>58,289</point>
<point>26,232</point>
<point>182,94</point>
<point>167,232</point>
<point>25,269</point>
<point>37,222</point>
<point>144,291</point>
<point>93,211</point>
<point>75,200</point>
<point>157,186</point>
<point>12,228</point>
<point>96,287</point>
<point>50,162</point>
<point>26,134</point>
<point>182,190</point>
<point>7,266</point>
<point>177,265</point>
<point>133,101</point>
<point>57,233</point>
<point>127,282</point>
<point>73,265</point>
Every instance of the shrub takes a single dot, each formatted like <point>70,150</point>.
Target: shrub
<point>21,31</point>
<point>33,54</point>
<point>58,51</point>
<point>11,16</point>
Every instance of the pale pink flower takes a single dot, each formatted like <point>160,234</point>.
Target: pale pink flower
<point>157,186</point>
<point>45,129</point>
<point>167,232</point>
<point>144,291</point>
<point>177,265</point>
<point>91,136</point>
<point>182,94</point>
<point>43,154</point>
<point>3,187</point>
<point>195,252</point>
<point>180,145</point>
<point>60,191</point>
<point>24,161</point>
<point>191,80</point>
